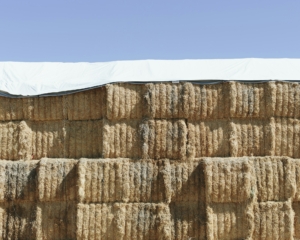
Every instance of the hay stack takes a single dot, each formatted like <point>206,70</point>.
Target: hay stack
<point>152,161</point>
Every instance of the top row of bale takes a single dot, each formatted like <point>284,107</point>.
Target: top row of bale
<point>161,101</point>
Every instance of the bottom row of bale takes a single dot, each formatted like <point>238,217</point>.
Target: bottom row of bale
<point>209,198</point>
<point>61,220</point>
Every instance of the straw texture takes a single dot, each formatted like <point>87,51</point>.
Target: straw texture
<point>274,220</point>
<point>56,220</point>
<point>123,221</point>
<point>213,198</point>
<point>228,181</point>
<point>18,221</point>
<point>18,181</point>
<point>169,161</point>
<point>229,221</point>
<point>57,180</point>
<point>164,139</point>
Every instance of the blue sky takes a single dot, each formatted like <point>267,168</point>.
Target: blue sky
<point>92,31</point>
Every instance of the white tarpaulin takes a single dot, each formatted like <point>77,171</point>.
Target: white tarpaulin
<point>29,79</point>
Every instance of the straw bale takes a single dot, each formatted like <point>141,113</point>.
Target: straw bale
<point>186,100</point>
<point>54,139</point>
<point>86,105</point>
<point>273,220</point>
<point>250,137</point>
<point>44,108</point>
<point>296,164</point>
<point>275,178</point>
<point>17,181</point>
<point>247,100</point>
<point>228,180</point>
<point>270,95</point>
<point>32,108</point>
<point>285,99</point>
<point>150,181</point>
<point>9,147</point>
<point>297,100</point>
<point>47,139</point>
<point>287,134</point>
<point>24,141</point>
<point>208,138</point>
<point>163,139</point>
<point>229,221</point>
<point>56,220</point>
<point>57,180</point>
<point>260,100</point>
<point>18,221</point>
<point>124,180</point>
<point>187,181</point>
<point>30,140</point>
<point>296,209</point>
<point>188,220</point>
<point>11,109</point>
<point>121,139</point>
<point>123,221</point>
<point>83,139</point>
<point>124,101</point>
<point>282,99</point>
<point>162,100</point>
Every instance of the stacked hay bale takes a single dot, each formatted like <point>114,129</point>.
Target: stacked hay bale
<point>153,161</point>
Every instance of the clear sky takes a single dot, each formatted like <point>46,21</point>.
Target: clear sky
<point>92,31</point>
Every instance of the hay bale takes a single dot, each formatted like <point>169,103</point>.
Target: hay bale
<point>296,178</point>
<point>44,108</point>
<point>270,95</point>
<point>9,147</point>
<point>188,220</point>
<point>287,136</point>
<point>163,139</point>
<point>24,141</point>
<point>123,221</point>
<point>121,139</point>
<point>187,181</point>
<point>82,139</point>
<point>250,137</point>
<point>229,221</point>
<point>282,99</point>
<point>186,100</point>
<point>18,221</point>
<point>124,101</point>
<point>208,138</point>
<point>275,178</point>
<point>56,220</point>
<point>57,180</point>
<point>296,209</point>
<point>297,100</point>
<point>18,181</point>
<point>273,220</point>
<point>47,139</point>
<point>247,100</point>
<point>55,139</point>
<point>86,105</point>
<point>11,109</point>
<point>284,106</point>
<point>228,181</point>
<point>32,108</point>
<point>123,180</point>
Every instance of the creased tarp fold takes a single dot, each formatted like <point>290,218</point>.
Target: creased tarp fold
<point>56,78</point>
